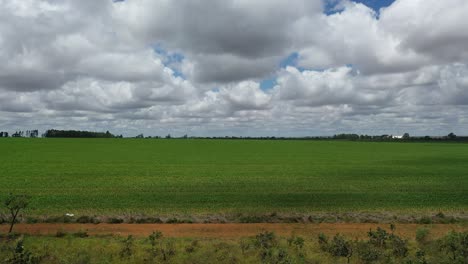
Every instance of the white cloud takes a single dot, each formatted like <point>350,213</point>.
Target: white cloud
<point>92,65</point>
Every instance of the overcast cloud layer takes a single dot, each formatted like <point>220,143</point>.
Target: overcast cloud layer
<point>234,67</point>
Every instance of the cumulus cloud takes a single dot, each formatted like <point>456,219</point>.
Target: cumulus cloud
<point>228,41</point>
<point>197,66</point>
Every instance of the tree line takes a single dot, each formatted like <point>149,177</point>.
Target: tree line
<point>20,133</point>
<point>53,133</point>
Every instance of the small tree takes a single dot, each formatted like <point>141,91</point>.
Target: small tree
<point>451,136</point>
<point>16,203</point>
<point>340,247</point>
<point>378,238</point>
<point>155,238</point>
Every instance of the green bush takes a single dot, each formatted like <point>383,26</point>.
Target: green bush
<point>265,240</point>
<point>60,234</point>
<point>399,246</point>
<point>81,234</point>
<point>147,220</point>
<point>20,255</point>
<point>425,220</point>
<point>421,235</point>
<point>323,242</point>
<point>341,247</point>
<point>367,252</point>
<point>378,238</point>
<point>114,220</point>
<point>87,220</point>
<point>127,248</point>
<point>455,246</point>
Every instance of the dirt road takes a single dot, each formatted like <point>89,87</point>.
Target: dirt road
<point>229,230</point>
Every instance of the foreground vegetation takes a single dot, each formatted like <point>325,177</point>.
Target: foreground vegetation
<point>381,246</point>
<point>189,177</point>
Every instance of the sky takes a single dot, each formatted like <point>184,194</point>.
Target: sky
<point>235,67</point>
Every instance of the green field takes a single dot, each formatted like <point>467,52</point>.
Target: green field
<point>110,176</point>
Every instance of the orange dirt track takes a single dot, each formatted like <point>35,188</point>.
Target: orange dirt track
<point>229,230</point>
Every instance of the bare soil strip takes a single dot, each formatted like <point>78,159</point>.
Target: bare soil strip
<point>231,230</point>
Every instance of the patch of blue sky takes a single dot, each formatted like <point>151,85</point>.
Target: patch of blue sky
<point>169,59</point>
<point>291,60</point>
<point>268,84</point>
<point>376,5</point>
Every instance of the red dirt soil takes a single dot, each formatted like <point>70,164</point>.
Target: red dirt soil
<point>230,230</point>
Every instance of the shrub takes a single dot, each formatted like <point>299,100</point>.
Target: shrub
<point>30,220</point>
<point>60,234</point>
<point>265,240</point>
<point>296,241</point>
<point>192,247</point>
<point>172,221</point>
<point>455,245</point>
<point>340,247</point>
<point>244,245</point>
<point>148,220</point>
<point>154,237</point>
<point>422,234</point>
<point>378,238</point>
<point>425,220</point>
<point>440,215</point>
<point>299,242</point>
<point>87,219</point>
<point>168,250</point>
<point>399,246</point>
<point>127,249</point>
<point>367,252</point>
<point>21,255</point>
<point>81,234</point>
<point>323,242</point>
<point>253,219</point>
<point>114,220</point>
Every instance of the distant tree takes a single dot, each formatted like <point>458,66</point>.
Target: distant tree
<point>17,134</point>
<point>16,203</point>
<point>451,136</point>
<point>168,136</point>
<point>140,136</point>
<point>406,136</point>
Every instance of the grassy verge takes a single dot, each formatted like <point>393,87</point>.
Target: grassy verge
<point>380,246</point>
